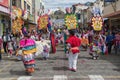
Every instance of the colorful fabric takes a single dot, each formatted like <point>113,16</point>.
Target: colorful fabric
<point>52,38</point>
<point>28,57</point>
<point>27,42</point>
<point>84,41</point>
<point>45,49</point>
<point>29,51</point>
<point>29,47</point>
<point>29,62</point>
<point>29,65</point>
<point>30,70</point>
<point>39,48</point>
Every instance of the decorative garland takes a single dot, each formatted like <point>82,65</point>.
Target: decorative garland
<point>71,21</point>
<point>43,22</point>
<point>97,23</point>
<point>17,20</point>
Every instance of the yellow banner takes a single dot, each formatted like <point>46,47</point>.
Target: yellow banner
<point>71,21</point>
<point>97,23</point>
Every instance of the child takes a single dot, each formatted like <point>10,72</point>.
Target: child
<point>10,48</point>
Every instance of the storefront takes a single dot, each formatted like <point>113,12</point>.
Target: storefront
<point>4,17</point>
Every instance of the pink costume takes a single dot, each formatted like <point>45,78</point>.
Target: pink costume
<point>28,42</point>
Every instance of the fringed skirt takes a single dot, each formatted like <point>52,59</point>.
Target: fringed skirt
<point>29,62</point>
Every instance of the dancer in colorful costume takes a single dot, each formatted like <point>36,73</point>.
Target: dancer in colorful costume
<point>95,46</point>
<point>53,45</point>
<point>28,49</point>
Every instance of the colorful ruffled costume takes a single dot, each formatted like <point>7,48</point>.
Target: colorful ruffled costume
<point>28,49</point>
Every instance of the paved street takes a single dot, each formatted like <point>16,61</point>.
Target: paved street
<point>106,68</point>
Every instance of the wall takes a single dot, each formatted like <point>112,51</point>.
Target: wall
<point>28,2</point>
<point>109,9</point>
<point>38,6</point>
<point>1,26</point>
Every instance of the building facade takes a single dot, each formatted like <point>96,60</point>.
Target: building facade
<point>112,12</point>
<point>4,16</point>
<point>38,10</point>
<point>81,12</point>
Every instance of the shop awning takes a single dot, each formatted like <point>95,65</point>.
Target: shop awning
<point>4,9</point>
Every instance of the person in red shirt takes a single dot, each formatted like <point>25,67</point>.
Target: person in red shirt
<point>73,44</point>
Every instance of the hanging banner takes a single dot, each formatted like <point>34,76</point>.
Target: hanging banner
<point>71,21</point>
<point>97,23</point>
<point>43,22</point>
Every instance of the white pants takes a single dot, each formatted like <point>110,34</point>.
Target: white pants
<point>73,60</point>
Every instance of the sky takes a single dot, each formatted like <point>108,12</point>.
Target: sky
<point>54,4</point>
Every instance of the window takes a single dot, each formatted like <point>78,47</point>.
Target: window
<point>28,8</point>
<point>19,3</point>
<point>24,4</point>
<point>14,3</point>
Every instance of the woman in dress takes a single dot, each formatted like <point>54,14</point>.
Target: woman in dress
<point>28,49</point>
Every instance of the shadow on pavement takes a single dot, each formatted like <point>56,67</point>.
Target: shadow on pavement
<point>57,58</point>
<point>19,73</point>
<point>114,59</point>
<point>64,68</point>
<point>84,57</point>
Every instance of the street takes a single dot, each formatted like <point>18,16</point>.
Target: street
<point>55,68</point>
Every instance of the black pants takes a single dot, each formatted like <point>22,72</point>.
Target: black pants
<point>117,48</point>
<point>4,46</point>
<point>109,47</point>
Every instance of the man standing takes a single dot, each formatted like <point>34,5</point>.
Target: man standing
<point>4,38</point>
<point>73,44</point>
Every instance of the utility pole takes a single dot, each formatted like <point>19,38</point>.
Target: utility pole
<point>11,15</point>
